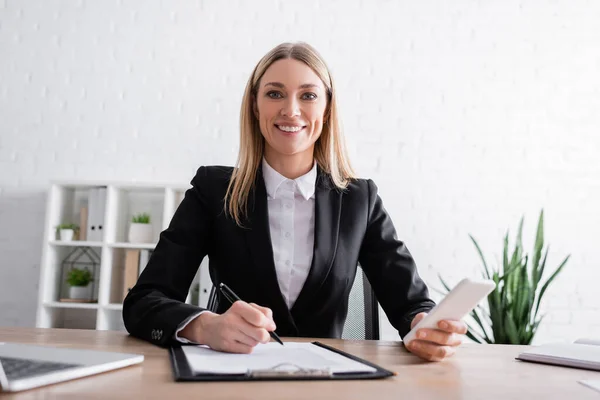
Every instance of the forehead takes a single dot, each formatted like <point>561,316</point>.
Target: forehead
<point>291,73</point>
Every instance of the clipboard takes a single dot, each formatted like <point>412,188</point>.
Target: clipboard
<point>182,372</point>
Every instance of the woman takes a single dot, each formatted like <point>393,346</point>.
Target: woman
<point>285,229</point>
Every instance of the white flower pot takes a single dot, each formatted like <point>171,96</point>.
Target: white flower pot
<point>140,233</point>
<point>66,235</point>
<point>80,292</point>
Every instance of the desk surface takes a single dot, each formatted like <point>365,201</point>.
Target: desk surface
<point>475,372</point>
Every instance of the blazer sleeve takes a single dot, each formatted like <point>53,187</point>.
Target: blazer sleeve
<point>155,306</point>
<point>390,268</point>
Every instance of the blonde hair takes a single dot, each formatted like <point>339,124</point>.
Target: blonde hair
<point>330,148</point>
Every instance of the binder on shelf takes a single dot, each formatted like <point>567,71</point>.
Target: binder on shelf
<point>97,208</point>
<point>271,361</point>
<point>101,201</point>
<point>130,271</point>
<point>92,210</point>
<point>83,222</point>
<point>144,258</point>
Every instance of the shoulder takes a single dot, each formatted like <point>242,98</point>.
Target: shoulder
<point>361,187</point>
<point>214,172</point>
<point>212,177</point>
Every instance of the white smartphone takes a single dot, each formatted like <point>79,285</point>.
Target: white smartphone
<point>459,302</point>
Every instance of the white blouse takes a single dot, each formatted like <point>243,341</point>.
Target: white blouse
<point>291,208</point>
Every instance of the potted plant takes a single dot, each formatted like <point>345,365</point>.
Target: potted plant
<point>140,229</point>
<point>512,313</point>
<point>79,281</point>
<point>66,232</point>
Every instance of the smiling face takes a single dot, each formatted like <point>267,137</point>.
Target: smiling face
<point>290,106</point>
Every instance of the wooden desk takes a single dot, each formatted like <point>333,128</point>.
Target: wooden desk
<point>475,372</point>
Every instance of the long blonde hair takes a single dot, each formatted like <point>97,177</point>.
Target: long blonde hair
<point>330,148</point>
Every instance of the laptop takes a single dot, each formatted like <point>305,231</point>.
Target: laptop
<point>24,366</point>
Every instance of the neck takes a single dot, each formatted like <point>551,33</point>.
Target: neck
<point>291,166</point>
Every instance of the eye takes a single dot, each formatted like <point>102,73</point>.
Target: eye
<point>273,94</point>
<point>309,96</point>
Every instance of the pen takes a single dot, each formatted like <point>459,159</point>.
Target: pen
<point>232,297</point>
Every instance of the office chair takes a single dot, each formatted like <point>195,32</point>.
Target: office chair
<point>362,321</point>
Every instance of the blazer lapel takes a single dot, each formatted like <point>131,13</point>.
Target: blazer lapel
<point>328,206</point>
<point>258,237</point>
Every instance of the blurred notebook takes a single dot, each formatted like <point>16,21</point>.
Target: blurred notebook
<point>595,342</point>
<point>583,353</point>
<point>591,384</point>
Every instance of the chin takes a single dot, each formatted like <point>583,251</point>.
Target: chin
<point>289,152</point>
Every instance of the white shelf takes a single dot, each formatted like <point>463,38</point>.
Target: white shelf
<point>121,200</point>
<point>75,243</point>
<point>75,184</point>
<point>58,304</point>
<point>124,245</point>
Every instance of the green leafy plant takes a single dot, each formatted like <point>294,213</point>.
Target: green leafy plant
<point>67,226</point>
<point>512,313</point>
<point>141,218</point>
<point>79,277</point>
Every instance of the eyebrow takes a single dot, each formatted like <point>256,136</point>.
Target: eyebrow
<point>282,86</point>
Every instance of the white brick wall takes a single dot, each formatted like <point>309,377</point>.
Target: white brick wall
<point>467,114</point>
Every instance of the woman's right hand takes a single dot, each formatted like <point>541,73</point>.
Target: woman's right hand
<point>238,330</point>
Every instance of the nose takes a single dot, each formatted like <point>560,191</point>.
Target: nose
<point>290,108</point>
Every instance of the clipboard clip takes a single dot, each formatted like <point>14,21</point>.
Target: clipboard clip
<point>288,370</point>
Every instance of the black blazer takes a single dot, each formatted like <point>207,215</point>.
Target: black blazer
<point>351,227</point>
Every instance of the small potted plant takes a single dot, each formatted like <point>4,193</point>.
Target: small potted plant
<point>66,232</point>
<point>79,279</point>
<point>140,229</point>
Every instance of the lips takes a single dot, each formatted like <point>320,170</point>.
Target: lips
<point>290,129</point>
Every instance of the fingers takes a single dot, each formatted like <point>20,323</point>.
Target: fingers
<point>453,326</point>
<point>259,335</point>
<point>439,337</point>
<point>437,344</point>
<point>253,315</point>
<point>251,322</point>
<point>417,319</point>
<point>239,329</point>
<point>244,338</point>
<point>430,351</point>
<point>265,310</point>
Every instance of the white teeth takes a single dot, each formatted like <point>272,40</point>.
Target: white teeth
<point>289,128</point>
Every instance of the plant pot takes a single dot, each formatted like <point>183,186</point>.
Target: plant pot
<point>140,233</point>
<point>80,292</point>
<point>66,235</point>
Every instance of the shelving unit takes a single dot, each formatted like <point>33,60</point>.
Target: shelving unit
<point>122,201</point>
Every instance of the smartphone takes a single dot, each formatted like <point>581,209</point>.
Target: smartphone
<point>459,302</point>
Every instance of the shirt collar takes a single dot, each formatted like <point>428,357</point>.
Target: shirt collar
<point>305,184</point>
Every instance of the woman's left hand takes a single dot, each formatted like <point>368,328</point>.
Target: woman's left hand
<point>437,344</point>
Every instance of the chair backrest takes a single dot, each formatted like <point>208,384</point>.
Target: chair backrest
<point>362,321</point>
